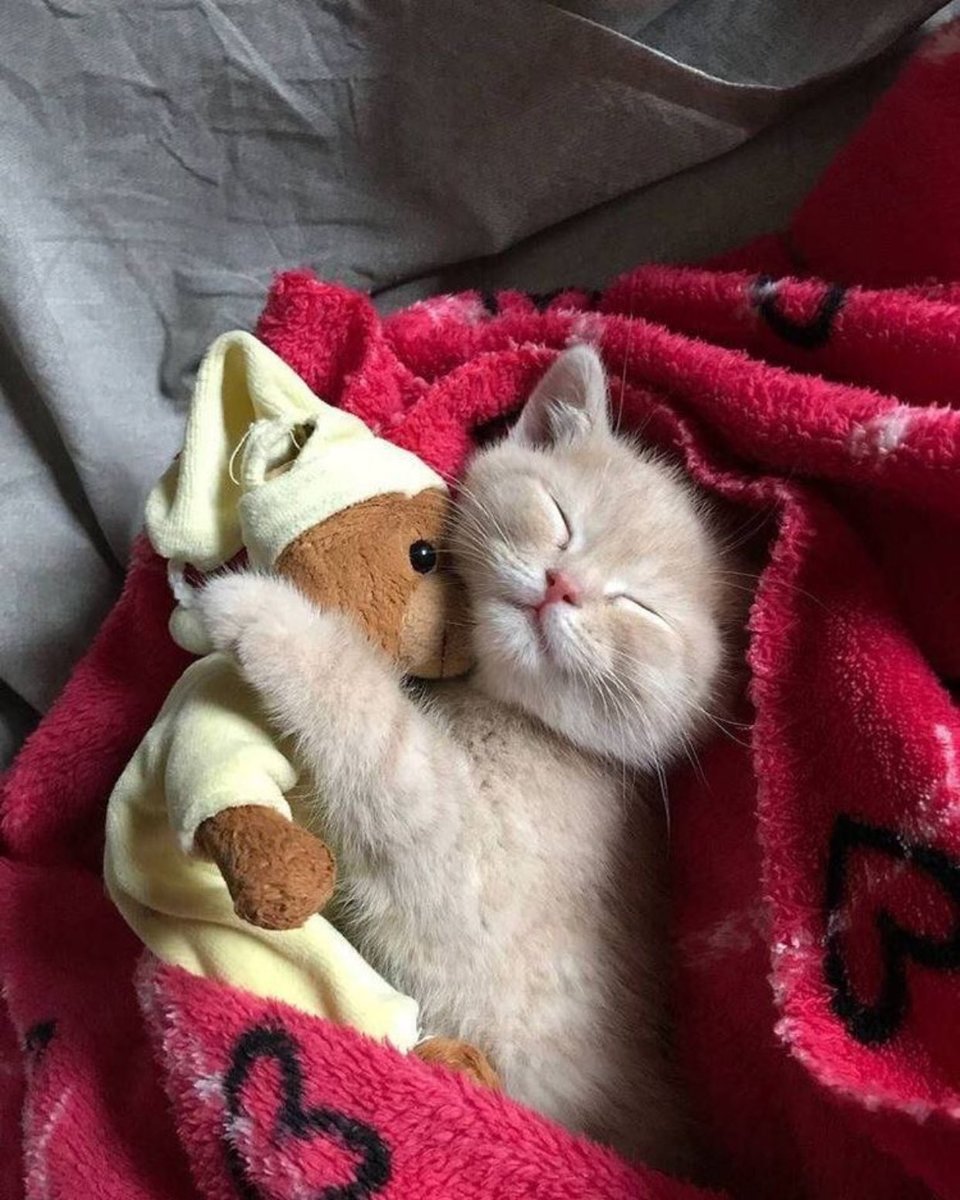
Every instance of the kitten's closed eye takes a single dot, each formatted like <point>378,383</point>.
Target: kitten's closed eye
<point>625,600</point>
<point>564,529</point>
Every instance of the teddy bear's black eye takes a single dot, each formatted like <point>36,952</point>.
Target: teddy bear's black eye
<point>423,557</point>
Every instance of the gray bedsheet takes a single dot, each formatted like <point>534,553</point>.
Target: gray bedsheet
<point>160,159</point>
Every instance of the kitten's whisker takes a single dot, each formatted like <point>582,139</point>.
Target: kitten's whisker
<point>621,699</point>
<point>690,753</point>
<point>662,780</point>
<point>795,587</point>
<point>677,708</point>
<point>750,528</point>
<point>607,695</point>
<point>475,540</point>
<point>483,509</point>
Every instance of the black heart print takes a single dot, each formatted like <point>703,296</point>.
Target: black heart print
<point>876,1020</point>
<point>38,1038</point>
<point>809,335</point>
<point>295,1120</point>
<point>541,300</point>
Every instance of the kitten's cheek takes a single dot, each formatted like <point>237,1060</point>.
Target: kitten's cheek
<point>508,630</point>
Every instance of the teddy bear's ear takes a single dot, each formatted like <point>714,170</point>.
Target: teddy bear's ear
<point>192,513</point>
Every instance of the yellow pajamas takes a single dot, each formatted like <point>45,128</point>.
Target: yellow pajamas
<point>208,750</point>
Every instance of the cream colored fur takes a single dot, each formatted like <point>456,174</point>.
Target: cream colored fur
<point>501,839</point>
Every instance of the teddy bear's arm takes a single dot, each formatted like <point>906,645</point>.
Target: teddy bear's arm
<point>219,752</point>
<point>278,873</point>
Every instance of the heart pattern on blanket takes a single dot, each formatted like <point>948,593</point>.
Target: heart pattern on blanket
<point>352,1144</point>
<point>876,1020</point>
<point>809,334</point>
<point>38,1037</point>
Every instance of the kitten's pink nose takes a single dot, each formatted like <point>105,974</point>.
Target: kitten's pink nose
<point>561,589</point>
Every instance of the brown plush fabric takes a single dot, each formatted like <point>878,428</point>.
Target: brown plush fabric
<point>358,561</point>
<point>459,1056</point>
<point>277,873</point>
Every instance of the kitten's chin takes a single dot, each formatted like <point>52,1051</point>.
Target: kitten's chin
<point>522,663</point>
<point>511,634</point>
<point>508,642</point>
<point>517,665</point>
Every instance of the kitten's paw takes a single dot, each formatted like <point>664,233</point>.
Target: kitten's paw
<point>235,608</point>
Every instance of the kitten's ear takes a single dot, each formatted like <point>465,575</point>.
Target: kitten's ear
<point>568,404</point>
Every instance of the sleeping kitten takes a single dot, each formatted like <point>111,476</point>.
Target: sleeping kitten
<point>501,839</point>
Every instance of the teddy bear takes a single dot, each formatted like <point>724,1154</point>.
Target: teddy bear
<point>211,852</point>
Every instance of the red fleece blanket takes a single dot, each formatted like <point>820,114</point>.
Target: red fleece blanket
<point>816,860</point>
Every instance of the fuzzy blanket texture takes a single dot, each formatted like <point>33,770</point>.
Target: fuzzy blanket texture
<point>813,380</point>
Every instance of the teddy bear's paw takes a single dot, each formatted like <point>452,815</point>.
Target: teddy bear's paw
<point>461,1057</point>
<point>242,606</point>
<point>278,873</point>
